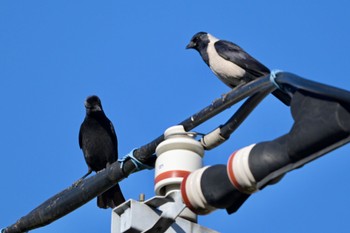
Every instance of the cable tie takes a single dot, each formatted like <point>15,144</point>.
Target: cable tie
<point>273,76</point>
<point>138,164</point>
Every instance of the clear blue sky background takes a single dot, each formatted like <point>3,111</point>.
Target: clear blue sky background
<point>132,54</point>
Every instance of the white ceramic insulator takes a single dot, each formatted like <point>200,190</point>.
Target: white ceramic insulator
<point>192,193</point>
<point>239,172</point>
<point>178,155</point>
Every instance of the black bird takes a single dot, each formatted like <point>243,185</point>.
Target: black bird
<point>230,63</point>
<point>98,141</point>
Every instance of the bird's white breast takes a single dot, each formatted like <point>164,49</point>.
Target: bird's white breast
<point>222,68</point>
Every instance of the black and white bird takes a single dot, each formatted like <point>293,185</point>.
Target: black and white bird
<point>98,141</point>
<point>230,63</point>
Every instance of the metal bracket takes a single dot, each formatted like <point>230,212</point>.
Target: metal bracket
<point>169,215</point>
<point>156,215</point>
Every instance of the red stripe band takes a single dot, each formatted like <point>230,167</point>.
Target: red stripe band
<point>231,173</point>
<point>171,174</point>
<point>184,194</point>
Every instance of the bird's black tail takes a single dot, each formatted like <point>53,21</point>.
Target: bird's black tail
<point>282,96</point>
<point>111,198</point>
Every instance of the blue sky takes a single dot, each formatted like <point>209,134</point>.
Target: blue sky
<point>132,54</point>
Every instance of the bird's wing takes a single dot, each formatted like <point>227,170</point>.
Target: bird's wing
<point>80,136</point>
<point>112,131</point>
<point>237,55</point>
<point>114,138</point>
<point>109,128</point>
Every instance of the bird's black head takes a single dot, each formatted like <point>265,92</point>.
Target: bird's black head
<point>199,41</point>
<point>93,104</point>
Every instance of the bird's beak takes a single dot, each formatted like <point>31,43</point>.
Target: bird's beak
<point>92,108</point>
<point>191,45</point>
<point>87,105</point>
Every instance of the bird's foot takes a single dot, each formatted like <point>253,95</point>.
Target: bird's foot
<point>223,97</point>
<point>76,183</point>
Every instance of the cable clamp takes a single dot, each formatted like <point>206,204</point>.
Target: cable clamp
<point>138,164</point>
<point>273,76</point>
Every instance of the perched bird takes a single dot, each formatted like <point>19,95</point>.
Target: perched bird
<point>230,63</point>
<point>98,141</point>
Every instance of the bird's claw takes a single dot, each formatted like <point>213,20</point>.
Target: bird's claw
<point>76,183</point>
<point>223,97</point>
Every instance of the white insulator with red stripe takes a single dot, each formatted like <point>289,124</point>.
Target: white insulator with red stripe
<point>239,172</point>
<point>178,155</point>
<point>192,193</point>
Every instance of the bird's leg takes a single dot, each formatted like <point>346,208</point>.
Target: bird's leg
<point>84,176</point>
<point>76,183</point>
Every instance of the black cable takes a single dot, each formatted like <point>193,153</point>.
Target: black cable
<point>145,152</point>
<point>291,83</point>
<point>223,132</point>
<point>242,113</point>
